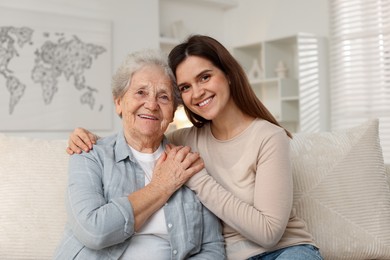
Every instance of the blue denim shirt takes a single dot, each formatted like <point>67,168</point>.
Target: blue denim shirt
<point>101,219</point>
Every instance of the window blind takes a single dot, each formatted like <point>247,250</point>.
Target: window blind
<point>360,65</point>
<point>309,85</point>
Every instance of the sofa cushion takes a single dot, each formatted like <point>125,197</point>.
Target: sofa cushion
<point>33,176</point>
<point>341,191</point>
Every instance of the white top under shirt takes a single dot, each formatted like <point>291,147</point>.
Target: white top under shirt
<point>151,241</point>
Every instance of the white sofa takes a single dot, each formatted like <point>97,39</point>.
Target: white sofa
<point>341,190</point>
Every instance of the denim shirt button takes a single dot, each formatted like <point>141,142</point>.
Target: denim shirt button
<point>170,225</point>
<point>174,252</point>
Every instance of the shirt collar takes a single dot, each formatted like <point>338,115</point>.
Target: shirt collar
<point>122,149</point>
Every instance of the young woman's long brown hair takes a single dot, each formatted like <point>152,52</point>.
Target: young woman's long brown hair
<point>240,88</point>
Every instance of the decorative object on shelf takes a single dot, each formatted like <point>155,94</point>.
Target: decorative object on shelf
<point>255,72</point>
<point>281,70</point>
<point>179,31</point>
<point>284,72</point>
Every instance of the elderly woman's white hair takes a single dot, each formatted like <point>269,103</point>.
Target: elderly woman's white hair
<point>136,61</point>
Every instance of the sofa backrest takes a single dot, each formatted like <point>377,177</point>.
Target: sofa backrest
<point>33,176</point>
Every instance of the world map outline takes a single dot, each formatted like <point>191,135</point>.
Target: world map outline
<point>64,56</point>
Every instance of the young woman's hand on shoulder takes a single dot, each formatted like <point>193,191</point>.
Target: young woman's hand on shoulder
<point>80,140</point>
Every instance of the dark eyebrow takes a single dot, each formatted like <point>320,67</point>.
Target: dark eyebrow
<point>182,84</point>
<point>197,76</point>
<point>203,72</point>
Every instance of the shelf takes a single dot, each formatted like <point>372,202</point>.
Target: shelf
<point>290,111</point>
<point>288,88</point>
<point>292,98</point>
<point>280,96</point>
<point>287,94</point>
<point>284,51</point>
<point>248,54</point>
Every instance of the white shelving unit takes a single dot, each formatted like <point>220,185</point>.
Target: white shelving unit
<point>295,99</point>
<point>280,96</point>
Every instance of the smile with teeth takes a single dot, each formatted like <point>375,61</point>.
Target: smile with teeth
<point>205,102</point>
<point>148,117</point>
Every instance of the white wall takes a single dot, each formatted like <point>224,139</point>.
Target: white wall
<point>134,26</point>
<point>197,18</point>
<point>137,24</point>
<point>256,20</point>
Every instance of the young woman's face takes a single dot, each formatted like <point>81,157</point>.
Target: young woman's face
<point>204,87</point>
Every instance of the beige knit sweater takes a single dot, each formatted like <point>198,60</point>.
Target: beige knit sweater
<point>248,185</point>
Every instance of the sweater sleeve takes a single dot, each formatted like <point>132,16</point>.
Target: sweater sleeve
<point>265,221</point>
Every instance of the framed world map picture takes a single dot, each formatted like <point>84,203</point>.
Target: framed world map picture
<point>55,72</point>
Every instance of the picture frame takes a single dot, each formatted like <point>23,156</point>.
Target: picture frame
<point>55,72</point>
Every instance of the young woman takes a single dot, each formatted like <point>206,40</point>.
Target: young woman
<point>248,180</point>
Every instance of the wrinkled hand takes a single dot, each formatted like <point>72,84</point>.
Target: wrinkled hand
<point>80,139</point>
<point>169,147</point>
<point>175,167</point>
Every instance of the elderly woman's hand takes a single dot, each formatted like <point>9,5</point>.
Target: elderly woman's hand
<point>176,166</point>
<point>80,139</point>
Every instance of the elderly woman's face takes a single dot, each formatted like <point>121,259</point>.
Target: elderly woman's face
<point>147,107</point>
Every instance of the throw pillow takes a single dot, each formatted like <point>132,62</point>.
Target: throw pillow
<point>33,176</point>
<point>342,193</point>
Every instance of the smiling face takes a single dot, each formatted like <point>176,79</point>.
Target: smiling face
<point>147,107</point>
<point>204,87</point>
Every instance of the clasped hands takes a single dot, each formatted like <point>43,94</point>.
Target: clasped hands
<point>172,170</point>
<point>176,166</point>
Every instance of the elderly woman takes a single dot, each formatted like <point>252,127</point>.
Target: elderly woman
<point>125,198</point>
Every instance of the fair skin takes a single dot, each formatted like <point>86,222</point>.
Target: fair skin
<point>146,110</point>
<point>205,91</point>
